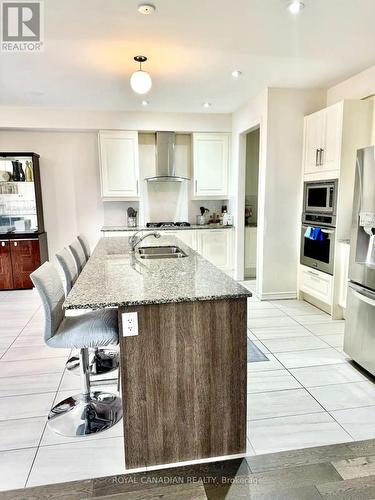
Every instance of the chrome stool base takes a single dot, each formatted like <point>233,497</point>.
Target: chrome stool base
<point>82,415</point>
<point>101,361</point>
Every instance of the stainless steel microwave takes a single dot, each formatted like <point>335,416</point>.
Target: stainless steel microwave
<point>320,197</point>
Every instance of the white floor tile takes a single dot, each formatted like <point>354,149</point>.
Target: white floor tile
<point>313,357</point>
<point>14,468</point>
<point>332,328</point>
<point>38,352</point>
<point>24,433</point>
<point>296,307</point>
<point>280,404</point>
<point>262,366</point>
<point>260,346</point>
<point>29,341</point>
<point>327,375</point>
<point>336,340</point>
<point>249,449</point>
<point>295,432</point>
<point>29,384</point>
<point>32,405</point>
<point>294,344</point>
<point>73,461</point>
<point>253,304</point>
<point>312,319</point>
<point>265,313</point>
<point>276,380</point>
<point>32,367</point>
<point>342,396</point>
<point>51,438</point>
<point>358,422</point>
<point>269,322</point>
<point>6,341</point>
<point>275,332</point>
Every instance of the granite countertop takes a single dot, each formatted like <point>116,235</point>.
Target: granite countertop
<point>180,228</point>
<point>113,277</point>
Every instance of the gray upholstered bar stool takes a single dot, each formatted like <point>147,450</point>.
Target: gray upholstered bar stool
<point>85,245</point>
<point>87,412</point>
<point>78,254</point>
<point>69,268</point>
<point>103,360</point>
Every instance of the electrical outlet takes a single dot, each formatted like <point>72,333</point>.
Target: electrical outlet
<point>129,324</point>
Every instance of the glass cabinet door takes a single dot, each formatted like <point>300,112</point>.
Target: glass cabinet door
<point>18,211</point>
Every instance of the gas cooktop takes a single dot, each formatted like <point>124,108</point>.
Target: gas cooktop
<point>167,224</point>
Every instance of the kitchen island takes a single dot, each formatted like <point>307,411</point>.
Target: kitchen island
<point>184,374</point>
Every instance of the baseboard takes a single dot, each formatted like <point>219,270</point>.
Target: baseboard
<point>278,295</point>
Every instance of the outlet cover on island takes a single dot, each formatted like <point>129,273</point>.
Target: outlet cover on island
<point>129,324</point>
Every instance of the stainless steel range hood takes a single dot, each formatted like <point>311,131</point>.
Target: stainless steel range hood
<point>165,159</point>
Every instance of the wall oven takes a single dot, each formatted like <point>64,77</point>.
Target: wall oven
<point>319,253</point>
<point>320,197</point>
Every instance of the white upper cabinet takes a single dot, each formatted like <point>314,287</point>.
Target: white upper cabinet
<point>211,161</point>
<point>323,133</point>
<point>119,165</point>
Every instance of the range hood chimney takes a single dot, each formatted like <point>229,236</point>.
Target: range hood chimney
<point>165,159</point>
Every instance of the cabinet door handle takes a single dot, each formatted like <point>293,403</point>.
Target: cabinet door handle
<point>321,151</point>
<point>137,187</point>
<point>313,274</point>
<point>316,157</point>
<point>196,186</point>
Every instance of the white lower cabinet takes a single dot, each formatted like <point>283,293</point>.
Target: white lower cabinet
<point>316,284</point>
<point>188,236</point>
<point>217,247</point>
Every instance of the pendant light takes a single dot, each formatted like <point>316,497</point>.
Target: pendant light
<point>140,81</point>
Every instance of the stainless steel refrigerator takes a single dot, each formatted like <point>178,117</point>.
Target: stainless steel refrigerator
<point>359,339</point>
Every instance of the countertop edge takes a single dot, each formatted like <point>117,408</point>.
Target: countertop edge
<point>124,229</point>
<point>106,305</point>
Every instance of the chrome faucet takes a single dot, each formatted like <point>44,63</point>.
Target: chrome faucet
<point>135,239</point>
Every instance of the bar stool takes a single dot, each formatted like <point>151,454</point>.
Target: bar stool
<point>85,245</point>
<point>78,254</point>
<point>102,361</point>
<point>88,412</point>
<point>69,268</point>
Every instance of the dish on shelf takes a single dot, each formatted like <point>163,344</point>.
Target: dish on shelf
<point>4,175</point>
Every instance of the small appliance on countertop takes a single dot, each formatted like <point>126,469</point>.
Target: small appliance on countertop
<point>132,217</point>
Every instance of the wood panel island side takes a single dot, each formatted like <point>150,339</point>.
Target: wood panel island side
<point>184,376</point>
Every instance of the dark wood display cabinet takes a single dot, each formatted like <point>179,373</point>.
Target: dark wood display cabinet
<point>23,241</point>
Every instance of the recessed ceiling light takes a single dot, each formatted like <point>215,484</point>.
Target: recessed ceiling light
<point>295,7</point>
<point>146,8</point>
<point>236,73</point>
<point>145,103</point>
<point>206,104</point>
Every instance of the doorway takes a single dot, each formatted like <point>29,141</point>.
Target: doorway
<point>251,207</point>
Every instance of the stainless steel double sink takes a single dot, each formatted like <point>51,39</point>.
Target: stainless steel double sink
<point>165,252</point>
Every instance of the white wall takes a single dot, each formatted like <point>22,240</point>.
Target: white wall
<point>283,187</point>
<point>253,114</point>
<point>360,86</point>
<point>280,113</point>
<point>70,181</point>
<point>67,119</point>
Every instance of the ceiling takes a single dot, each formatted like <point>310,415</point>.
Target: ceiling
<point>192,47</point>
